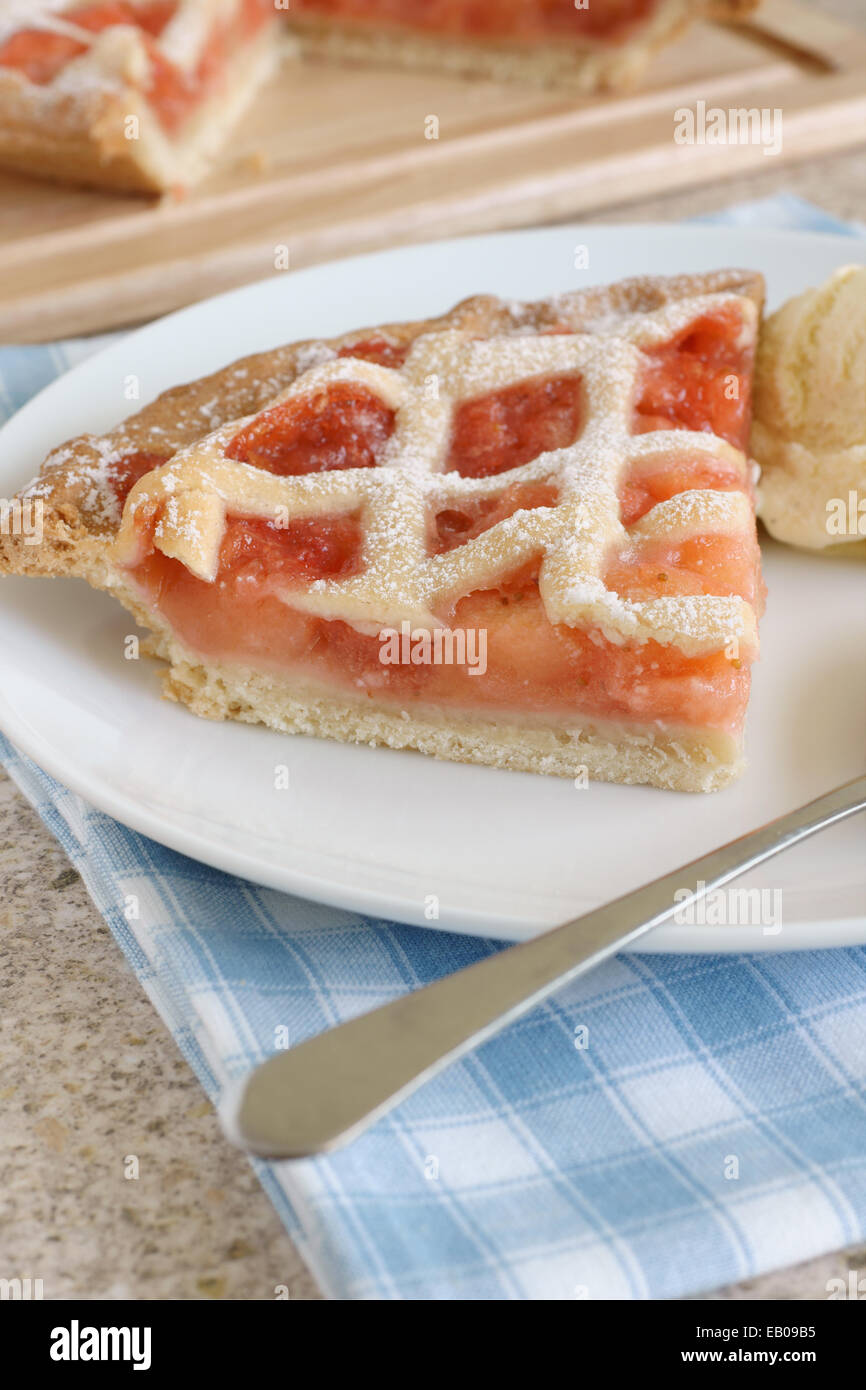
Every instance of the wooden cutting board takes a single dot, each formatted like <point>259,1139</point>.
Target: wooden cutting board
<point>336,160</point>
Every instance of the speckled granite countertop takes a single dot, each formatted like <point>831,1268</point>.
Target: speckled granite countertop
<point>88,1073</point>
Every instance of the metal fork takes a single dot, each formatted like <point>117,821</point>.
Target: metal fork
<point>326,1091</point>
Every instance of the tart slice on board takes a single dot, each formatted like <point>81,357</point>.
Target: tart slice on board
<point>128,94</point>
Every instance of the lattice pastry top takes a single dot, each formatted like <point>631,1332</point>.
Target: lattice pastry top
<point>399,579</point>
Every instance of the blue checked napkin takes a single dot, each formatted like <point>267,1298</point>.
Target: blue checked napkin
<point>537,1168</point>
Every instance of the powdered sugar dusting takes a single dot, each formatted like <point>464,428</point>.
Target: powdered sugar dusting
<point>93,475</point>
<point>314,355</point>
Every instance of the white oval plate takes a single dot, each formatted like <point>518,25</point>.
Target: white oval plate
<point>393,834</point>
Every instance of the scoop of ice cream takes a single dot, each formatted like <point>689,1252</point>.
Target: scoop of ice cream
<point>809,427</point>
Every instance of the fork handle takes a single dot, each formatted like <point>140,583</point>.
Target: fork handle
<point>328,1089</point>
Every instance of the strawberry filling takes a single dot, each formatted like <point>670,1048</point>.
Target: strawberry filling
<point>265,558</point>
<point>173,93</point>
<point>124,473</point>
<point>377,350</point>
<point>512,427</point>
<point>611,20</point>
<point>457,524</point>
<point>700,381</point>
<point>709,564</point>
<point>246,615</point>
<point>642,489</point>
<point>343,427</point>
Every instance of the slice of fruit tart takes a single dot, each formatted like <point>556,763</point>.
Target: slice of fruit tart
<point>135,95</point>
<point>520,534</point>
<point>590,45</point>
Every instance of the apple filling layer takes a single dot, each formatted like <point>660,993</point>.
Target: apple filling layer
<point>245,618</point>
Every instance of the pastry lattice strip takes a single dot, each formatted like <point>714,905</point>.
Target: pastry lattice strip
<point>400,580</point>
